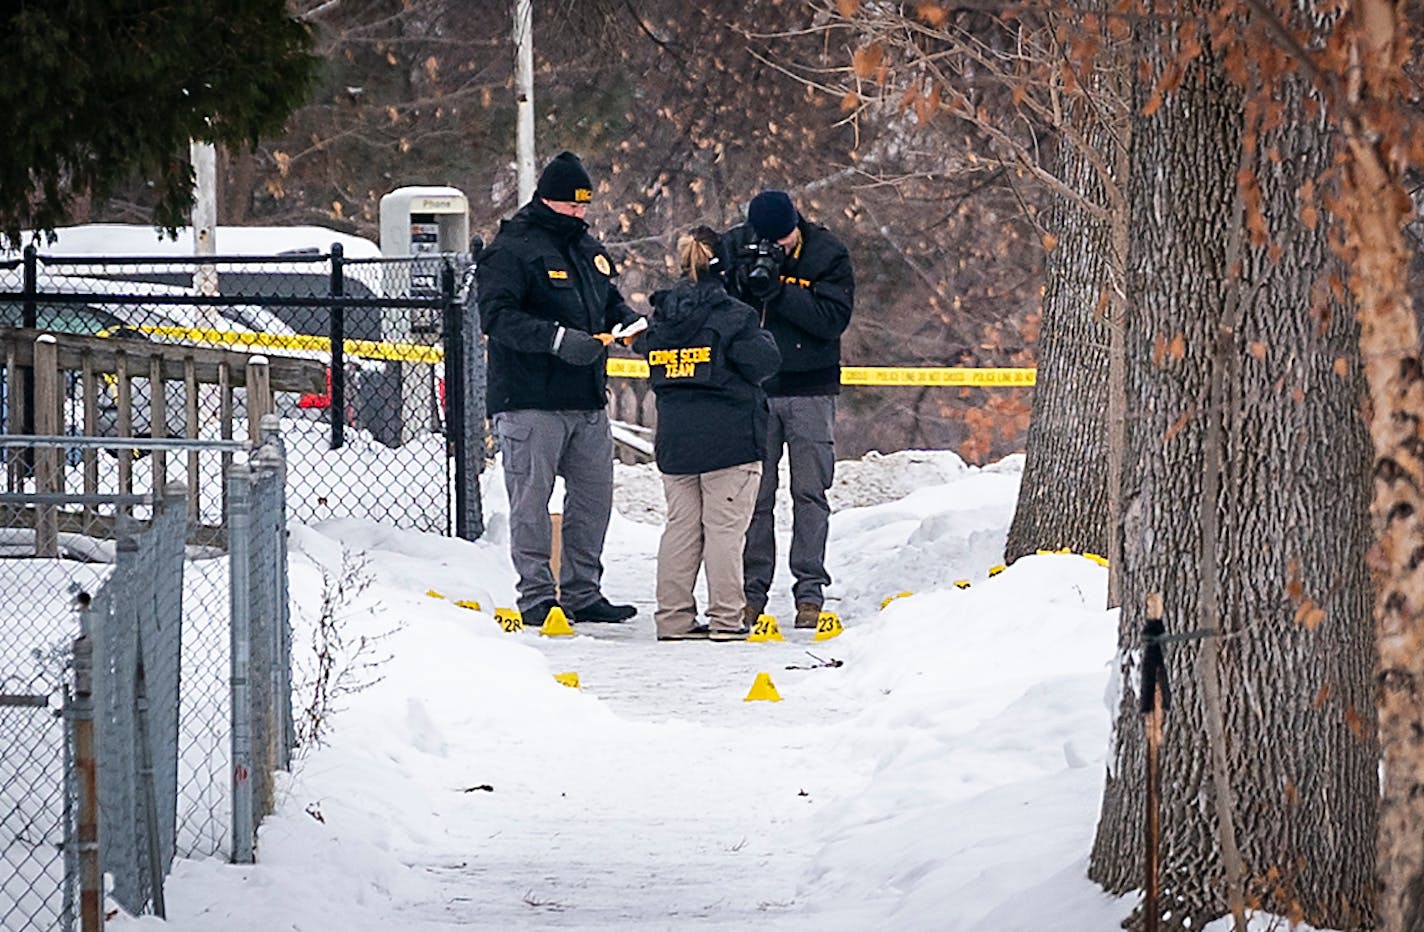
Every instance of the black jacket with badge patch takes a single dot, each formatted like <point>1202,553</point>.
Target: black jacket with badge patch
<point>707,357</point>
<point>808,314</point>
<point>542,271</point>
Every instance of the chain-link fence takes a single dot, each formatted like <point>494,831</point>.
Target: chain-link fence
<point>368,365</point>
<point>190,670</point>
<point>135,622</point>
<point>260,639</point>
<point>36,788</point>
<point>33,798</point>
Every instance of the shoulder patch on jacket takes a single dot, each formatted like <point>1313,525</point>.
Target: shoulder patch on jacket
<point>601,263</point>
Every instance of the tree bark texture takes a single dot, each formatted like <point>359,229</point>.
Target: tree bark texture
<point>1063,498</point>
<point>1295,652</point>
<point>1376,207</point>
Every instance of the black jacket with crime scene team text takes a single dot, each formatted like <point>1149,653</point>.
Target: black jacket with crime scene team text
<point>707,357</point>
<point>808,315</point>
<point>542,271</point>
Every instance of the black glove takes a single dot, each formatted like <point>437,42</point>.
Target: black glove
<point>576,347</point>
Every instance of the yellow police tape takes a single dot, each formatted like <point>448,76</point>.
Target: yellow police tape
<point>624,368</point>
<point>252,340</point>
<point>929,375</point>
<point>619,366</point>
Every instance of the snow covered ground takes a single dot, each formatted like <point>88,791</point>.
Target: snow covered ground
<point>945,777</point>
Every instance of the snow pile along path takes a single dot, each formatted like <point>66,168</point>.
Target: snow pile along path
<point>944,777</point>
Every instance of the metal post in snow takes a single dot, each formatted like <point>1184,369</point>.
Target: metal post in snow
<point>276,453</point>
<point>239,479</point>
<point>148,792</point>
<point>267,470</point>
<point>455,439</point>
<point>71,793</point>
<point>91,874</point>
<point>1153,699</point>
<point>336,400</point>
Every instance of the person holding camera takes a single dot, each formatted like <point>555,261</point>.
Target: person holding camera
<point>797,276</point>
<point>548,304</point>
<point>707,357</point>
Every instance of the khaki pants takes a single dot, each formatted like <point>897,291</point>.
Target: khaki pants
<point>707,517</point>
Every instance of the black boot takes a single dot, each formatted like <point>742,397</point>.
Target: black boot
<point>602,611</point>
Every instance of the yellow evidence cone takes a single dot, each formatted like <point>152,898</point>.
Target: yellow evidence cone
<point>762,690</point>
<point>765,629</point>
<point>471,604</point>
<point>568,679</point>
<point>996,570</point>
<point>827,627</point>
<point>509,619</point>
<point>556,624</point>
<point>899,595</point>
<point>434,595</point>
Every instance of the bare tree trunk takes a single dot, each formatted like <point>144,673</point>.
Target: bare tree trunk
<point>1069,491</point>
<point>1295,651</point>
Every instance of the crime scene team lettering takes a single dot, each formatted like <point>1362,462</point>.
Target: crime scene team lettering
<point>680,363</point>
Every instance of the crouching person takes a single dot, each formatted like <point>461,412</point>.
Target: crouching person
<point>707,356</point>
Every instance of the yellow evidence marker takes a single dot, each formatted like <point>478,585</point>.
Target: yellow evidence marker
<point>568,679</point>
<point>762,690</point>
<point>899,595</point>
<point>471,604</point>
<point>765,629</point>
<point>434,595</point>
<point>827,627</point>
<point>509,620</point>
<point>556,625</point>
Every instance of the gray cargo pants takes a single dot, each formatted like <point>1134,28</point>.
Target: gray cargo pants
<point>536,447</point>
<point>806,426</point>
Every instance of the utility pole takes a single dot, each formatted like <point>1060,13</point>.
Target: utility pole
<point>205,214</point>
<point>524,91</point>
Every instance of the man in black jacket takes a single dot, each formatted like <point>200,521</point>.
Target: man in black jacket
<point>548,303</point>
<point>798,277</point>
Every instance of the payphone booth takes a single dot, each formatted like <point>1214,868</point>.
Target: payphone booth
<point>421,223</point>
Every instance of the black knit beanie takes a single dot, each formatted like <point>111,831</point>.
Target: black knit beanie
<point>771,214</point>
<point>564,179</point>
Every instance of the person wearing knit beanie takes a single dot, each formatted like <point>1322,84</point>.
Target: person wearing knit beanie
<point>772,215</point>
<point>797,275</point>
<point>550,305</point>
<point>565,179</point>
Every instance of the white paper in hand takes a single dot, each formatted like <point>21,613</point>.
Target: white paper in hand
<point>622,331</point>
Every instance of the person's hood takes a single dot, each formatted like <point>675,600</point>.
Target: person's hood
<point>682,310</point>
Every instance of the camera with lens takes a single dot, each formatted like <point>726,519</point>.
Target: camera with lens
<point>759,265</point>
